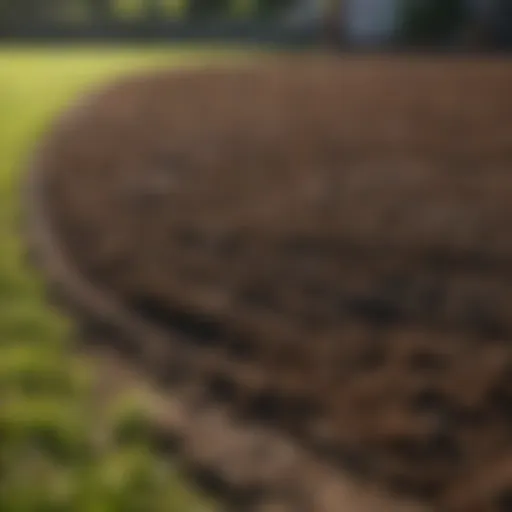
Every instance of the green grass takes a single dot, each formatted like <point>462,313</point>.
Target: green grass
<point>54,454</point>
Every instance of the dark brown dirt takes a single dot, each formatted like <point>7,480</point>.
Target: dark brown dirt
<point>329,242</point>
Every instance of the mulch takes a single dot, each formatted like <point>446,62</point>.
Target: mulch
<point>328,239</point>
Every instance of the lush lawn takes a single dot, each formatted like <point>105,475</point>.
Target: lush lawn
<point>52,456</point>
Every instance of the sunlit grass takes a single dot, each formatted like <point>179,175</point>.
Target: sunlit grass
<point>50,458</point>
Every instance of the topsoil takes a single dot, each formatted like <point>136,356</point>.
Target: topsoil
<point>332,236</point>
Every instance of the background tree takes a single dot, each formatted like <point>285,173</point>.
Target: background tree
<point>272,8</point>
<point>100,10</point>
<point>153,9</point>
<point>435,21</point>
<point>208,8</point>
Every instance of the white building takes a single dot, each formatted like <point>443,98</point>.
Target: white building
<point>369,22</point>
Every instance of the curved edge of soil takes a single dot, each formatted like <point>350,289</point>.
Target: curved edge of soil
<point>247,467</point>
<point>98,314</point>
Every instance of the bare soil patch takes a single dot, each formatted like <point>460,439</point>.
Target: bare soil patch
<point>320,247</point>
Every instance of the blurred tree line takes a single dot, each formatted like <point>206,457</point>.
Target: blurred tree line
<point>435,20</point>
<point>427,22</point>
<point>119,10</point>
